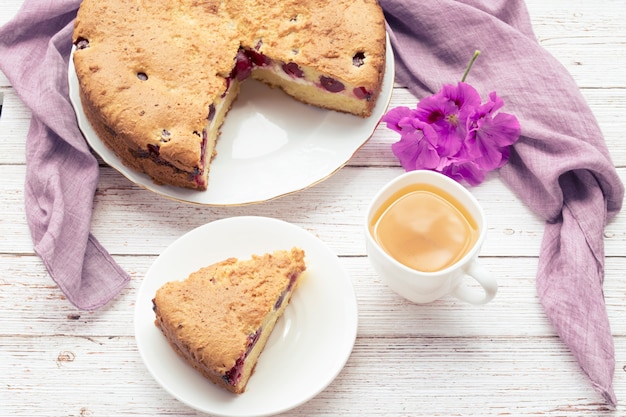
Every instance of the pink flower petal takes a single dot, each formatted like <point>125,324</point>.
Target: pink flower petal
<point>396,116</point>
<point>415,150</point>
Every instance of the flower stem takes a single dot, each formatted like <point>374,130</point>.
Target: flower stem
<point>469,66</point>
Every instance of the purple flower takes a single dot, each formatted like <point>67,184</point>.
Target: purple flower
<point>467,171</point>
<point>447,111</point>
<point>490,135</point>
<point>398,117</point>
<point>453,133</point>
<point>417,147</point>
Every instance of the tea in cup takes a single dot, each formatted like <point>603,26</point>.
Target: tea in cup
<point>423,234</point>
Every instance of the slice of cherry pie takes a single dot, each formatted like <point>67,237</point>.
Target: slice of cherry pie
<point>219,318</point>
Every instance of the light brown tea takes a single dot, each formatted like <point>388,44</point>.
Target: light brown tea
<point>424,228</point>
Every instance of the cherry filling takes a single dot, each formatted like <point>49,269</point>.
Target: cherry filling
<point>281,298</point>
<point>203,148</point>
<point>257,58</point>
<point>243,66</point>
<point>292,69</point>
<point>332,85</point>
<point>153,153</point>
<point>233,376</point>
<point>211,114</point>
<point>197,175</point>
<point>358,59</point>
<point>228,81</point>
<point>154,150</point>
<point>362,93</point>
<point>248,59</point>
<point>82,43</point>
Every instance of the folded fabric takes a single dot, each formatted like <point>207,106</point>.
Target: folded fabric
<point>61,173</point>
<point>560,167</point>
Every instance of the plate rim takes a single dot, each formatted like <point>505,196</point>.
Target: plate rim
<point>144,181</point>
<point>351,307</point>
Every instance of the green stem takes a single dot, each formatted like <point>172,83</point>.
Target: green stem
<point>469,66</point>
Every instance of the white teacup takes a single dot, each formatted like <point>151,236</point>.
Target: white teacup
<point>421,284</point>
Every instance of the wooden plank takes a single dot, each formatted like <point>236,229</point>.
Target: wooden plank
<point>608,105</point>
<point>484,376</point>
<point>121,209</point>
<point>8,10</point>
<point>38,308</point>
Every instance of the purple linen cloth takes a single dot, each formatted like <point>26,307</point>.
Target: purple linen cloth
<point>560,167</point>
<point>61,173</point>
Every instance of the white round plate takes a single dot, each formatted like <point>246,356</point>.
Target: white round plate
<point>271,145</point>
<point>309,345</point>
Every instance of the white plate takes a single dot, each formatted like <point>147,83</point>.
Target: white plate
<point>270,145</point>
<point>309,345</point>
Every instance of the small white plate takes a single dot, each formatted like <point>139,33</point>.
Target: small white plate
<point>309,345</point>
<point>271,145</point>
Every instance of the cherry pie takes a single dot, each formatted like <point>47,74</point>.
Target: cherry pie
<point>220,317</point>
<point>157,78</point>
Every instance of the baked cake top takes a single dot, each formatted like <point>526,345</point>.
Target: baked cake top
<point>218,308</point>
<point>323,34</point>
<point>144,63</point>
<point>147,63</point>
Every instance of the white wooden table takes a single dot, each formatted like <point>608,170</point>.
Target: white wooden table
<point>446,358</point>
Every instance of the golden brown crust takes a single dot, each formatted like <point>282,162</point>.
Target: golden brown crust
<point>186,51</point>
<point>209,317</point>
<point>129,38</point>
<point>321,34</point>
<point>117,144</point>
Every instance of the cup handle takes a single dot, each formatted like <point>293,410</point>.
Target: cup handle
<point>485,279</point>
